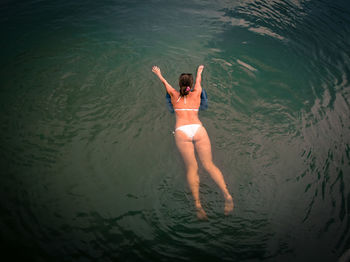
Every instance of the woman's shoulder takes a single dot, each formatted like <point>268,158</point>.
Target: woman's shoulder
<point>174,92</point>
<point>195,96</point>
<point>196,93</point>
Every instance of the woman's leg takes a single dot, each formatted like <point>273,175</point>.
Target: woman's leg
<point>186,149</point>
<point>203,147</point>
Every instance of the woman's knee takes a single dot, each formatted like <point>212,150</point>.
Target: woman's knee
<point>209,165</point>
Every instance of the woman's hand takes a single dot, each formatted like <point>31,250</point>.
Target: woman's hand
<point>156,70</point>
<point>200,69</point>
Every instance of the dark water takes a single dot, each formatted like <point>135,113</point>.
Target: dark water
<point>89,167</point>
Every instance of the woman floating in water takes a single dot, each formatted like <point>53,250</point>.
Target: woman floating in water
<point>190,134</point>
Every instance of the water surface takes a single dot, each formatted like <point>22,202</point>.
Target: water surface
<point>90,170</point>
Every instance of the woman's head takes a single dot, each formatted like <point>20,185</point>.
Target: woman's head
<point>185,83</point>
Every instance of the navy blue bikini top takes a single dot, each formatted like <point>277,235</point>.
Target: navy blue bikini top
<point>203,106</point>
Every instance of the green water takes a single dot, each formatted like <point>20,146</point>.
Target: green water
<point>89,167</point>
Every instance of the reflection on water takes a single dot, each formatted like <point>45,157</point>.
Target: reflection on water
<point>91,171</point>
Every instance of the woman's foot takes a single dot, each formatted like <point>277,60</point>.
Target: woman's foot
<point>201,213</point>
<point>228,205</point>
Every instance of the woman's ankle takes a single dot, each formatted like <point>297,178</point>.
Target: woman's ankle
<point>228,196</point>
<point>198,205</point>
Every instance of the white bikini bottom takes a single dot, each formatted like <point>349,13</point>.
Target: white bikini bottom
<point>189,130</point>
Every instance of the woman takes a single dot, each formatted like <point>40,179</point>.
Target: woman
<point>190,134</point>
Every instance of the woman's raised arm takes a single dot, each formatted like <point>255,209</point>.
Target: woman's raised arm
<point>168,87</point>
<point>198,86</point>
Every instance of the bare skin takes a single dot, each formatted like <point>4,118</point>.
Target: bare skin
<point>200,142</point>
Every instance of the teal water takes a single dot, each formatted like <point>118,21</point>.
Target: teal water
<point>89,167</point>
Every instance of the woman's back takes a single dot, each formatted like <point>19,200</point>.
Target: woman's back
<point>186,108</point>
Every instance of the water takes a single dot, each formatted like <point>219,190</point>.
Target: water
<point>90,170</point>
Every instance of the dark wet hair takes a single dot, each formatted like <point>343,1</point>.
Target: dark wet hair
<point>185,80</point>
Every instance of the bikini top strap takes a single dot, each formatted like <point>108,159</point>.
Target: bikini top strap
<point>180,98</point>
<point>186,109</point>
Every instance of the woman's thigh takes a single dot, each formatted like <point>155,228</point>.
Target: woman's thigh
<point>203,146</point>
<point>186,148</point>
